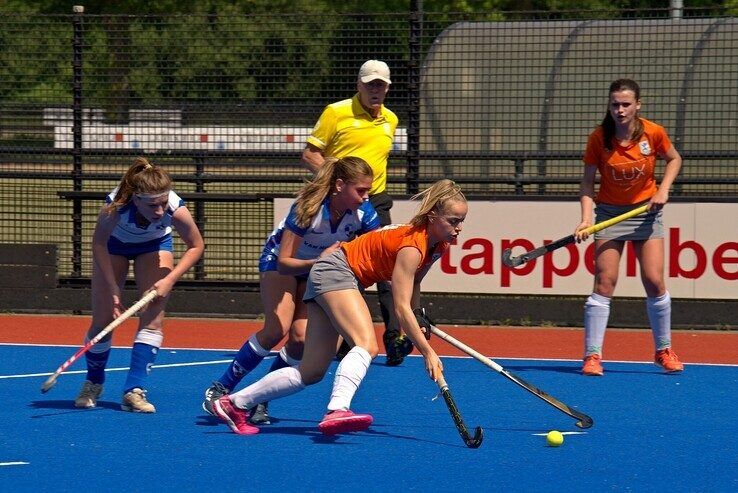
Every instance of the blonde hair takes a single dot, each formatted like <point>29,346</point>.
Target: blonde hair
<point>434,199</point>
<point>310,197</point>
<point>141,178</point>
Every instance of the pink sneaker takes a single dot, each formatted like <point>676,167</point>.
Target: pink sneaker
<point>237,419</point>
<point>336,422</point>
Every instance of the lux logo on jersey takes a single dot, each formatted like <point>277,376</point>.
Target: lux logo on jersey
<point>628,175</point>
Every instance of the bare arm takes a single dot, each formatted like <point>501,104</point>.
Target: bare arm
<point>673,166</point>
<point>586,201</point>
<point>185,225</point>
<point>287,262</point>
<point>405,292</point>
<point>312,158</point>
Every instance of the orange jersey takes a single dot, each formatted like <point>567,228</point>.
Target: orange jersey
<point>627,172</point>
<point>372,256</point>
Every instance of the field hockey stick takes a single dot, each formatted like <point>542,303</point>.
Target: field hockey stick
<point>147,298</point>
<point>471,442</point>
<point>583,421</point>
<point>511,261</point>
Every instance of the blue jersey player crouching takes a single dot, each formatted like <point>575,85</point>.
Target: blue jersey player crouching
<point>136,225</point>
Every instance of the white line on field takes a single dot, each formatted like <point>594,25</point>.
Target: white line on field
<point>17,463</point>
<point>75,372</point>
<point>563,433</point>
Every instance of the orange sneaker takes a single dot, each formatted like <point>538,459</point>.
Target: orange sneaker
<point>592,366</point>
<point>667,359</point>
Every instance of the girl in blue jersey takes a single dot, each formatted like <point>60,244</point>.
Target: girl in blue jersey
<point>330,209</point>
<point>136,225</point>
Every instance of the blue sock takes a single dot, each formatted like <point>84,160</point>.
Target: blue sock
<point>278,363</point>
<point>97,360</point>
<point>142,358</point>
<point>247,358</point>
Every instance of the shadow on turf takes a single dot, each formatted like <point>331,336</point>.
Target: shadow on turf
<point>310,430</point>
<point>577,370</point>
<point>67,406</point>
<point>208,420</point>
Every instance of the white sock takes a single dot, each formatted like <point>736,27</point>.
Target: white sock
<point>596,314</point>
<point>287,358</point>
<point>276,384</point>
<point>350,373</point>
<point>659,315</point>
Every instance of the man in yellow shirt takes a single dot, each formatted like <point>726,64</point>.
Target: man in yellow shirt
<point>363,127</point>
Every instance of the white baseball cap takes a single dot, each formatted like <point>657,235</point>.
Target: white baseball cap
<point>374,69</point>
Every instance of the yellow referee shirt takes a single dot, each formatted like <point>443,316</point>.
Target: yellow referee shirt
<point>346,129</point>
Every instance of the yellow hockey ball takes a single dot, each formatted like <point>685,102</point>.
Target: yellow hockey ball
<point>554,438</point>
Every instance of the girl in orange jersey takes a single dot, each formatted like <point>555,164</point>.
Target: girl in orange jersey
<point>624,149</point>
<point>402,254</point>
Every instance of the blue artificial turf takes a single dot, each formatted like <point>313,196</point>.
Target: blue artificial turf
<point>652,432</point>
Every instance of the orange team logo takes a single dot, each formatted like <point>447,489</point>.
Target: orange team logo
<point>645,147</point>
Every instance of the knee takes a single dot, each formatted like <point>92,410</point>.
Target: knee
<point>297,336</point>
<point>605,286</point>
<point>654,288</point>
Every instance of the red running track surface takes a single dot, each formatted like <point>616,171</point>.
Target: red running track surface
<point>498,342</point>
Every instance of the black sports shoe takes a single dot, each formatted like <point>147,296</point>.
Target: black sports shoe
<point>397,346</point>
<point>212,394</point>
<point>343,350</point>
<point>259,415</point>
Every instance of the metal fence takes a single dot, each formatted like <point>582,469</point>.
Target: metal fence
<point>501,102</point>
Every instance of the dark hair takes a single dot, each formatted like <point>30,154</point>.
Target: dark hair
<point>608,123</point>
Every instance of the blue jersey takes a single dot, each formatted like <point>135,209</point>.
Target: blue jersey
<point>319,234</point>
<point>127,231</point>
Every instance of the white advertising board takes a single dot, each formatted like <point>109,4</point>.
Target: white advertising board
<point>148,137</point>
<point>701,251</point>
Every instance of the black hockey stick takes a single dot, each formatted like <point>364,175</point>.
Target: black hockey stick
<point>511,261</point>
<point>471,442</point>
<point>427,325</point>
<point>583,421</point>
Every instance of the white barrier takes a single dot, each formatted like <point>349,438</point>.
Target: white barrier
<point>147,137</point>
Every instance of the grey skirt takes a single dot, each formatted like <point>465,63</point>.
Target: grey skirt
<point>330,273</point>
<point>641,227</point>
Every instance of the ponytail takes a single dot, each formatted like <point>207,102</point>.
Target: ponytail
<point>141,178</point>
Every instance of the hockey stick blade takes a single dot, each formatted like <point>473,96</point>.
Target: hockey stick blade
<point>510,261</point>
<point>140,304</point>
<point>583,421</point>
<point>469,441</point>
